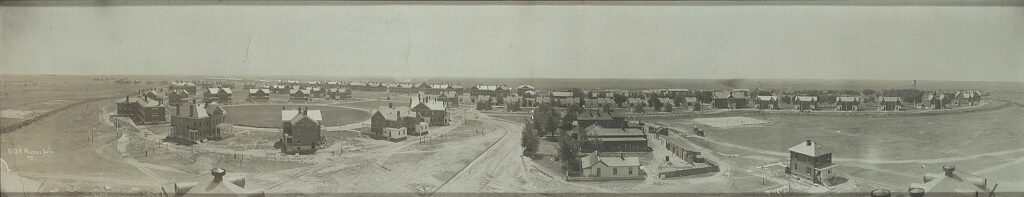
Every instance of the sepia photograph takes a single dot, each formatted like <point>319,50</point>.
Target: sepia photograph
<point>176,98</point>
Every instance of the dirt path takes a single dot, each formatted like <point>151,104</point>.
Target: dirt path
<point>376,156</point>
<point>501,168</point>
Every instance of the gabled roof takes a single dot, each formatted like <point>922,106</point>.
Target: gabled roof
<point>889,99</point>
<point>448,94</point>
<point>847,99</point>
<point>809,148</point>
<point>290,114</point>
<point>526,87</point>
<point>720,95</point>
<point>432,104</point>
<point>740,94</point>
<point>438,86</point>
<point>179,92</point>
<point>596,130</point>
<point>215,109</point>
<point>390,113</point>
<point>200,110</point>
<point>561,94</point>
<point>767,98</point>
<point>254,91</point>
<point>303,91</point>
<point>218,90</point>
<point>597,114</point>
<point>593,159</point>
<point>145,102</point>
<point>965,94</point>
<point>806,98</point>
<point>690,99</point>
<point>490,87</point>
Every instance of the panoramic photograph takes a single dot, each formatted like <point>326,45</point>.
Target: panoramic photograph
<point>512,98</point>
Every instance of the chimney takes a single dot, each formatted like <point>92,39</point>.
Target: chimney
<point>218,174</point>
<point>808,142</point>
<point>622,157</point>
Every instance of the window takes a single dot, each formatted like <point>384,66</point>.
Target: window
<point>615,171</point>
<point>630,170</point>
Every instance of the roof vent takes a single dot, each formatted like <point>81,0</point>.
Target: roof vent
<point>880,193</point>
<point>916,192</point>
<point>948,169</point>
<point>218,174</point>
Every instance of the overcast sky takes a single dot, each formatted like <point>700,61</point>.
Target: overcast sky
<point>964,43</point>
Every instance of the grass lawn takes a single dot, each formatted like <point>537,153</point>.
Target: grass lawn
<point>269,116</point>
<point>892,138</point>
<point>374,104</point>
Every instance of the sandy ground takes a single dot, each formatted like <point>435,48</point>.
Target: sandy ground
<point>80,150</point>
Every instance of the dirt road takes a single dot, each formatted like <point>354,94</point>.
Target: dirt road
<point>498,169</point>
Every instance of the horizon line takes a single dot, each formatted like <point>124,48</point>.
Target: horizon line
<point>495,77</point>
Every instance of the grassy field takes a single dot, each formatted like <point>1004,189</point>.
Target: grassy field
<point>374,104</point>
<point>269,116</point>
<point>883,138</point>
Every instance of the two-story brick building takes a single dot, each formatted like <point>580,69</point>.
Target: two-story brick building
<point>301,131</point>
<point>811,161</point>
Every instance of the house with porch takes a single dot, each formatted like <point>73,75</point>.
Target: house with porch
<point>890,103</point>
<point>429,111</point>
<point>766,102</point>
<point>219,95</point>
<point>176,97</point>
<point>847,103</point>
<point>258,95</point>
<point>299,95</point>
<point>392,117</point>
<point>201,122</point>
<point>611,167</point>
<point>806,103</point>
